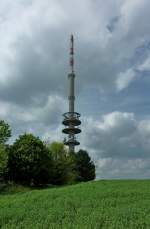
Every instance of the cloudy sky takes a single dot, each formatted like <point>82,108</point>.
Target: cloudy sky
<point>112,42</point>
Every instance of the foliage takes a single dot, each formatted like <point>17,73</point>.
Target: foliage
<point>5,131</point>
<point>3,161</point>
<point>85,167</point>
<point>29,161</point>
<point>63,164</point>
<point>55,148</point>
<point>99,204</point>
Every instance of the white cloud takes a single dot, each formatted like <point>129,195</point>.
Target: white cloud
<point>109,168</point>
<point>145,66</point>
<point>47,113</point>
<point>118,143</point>
<point>125,78</point>
<point>50,113</point>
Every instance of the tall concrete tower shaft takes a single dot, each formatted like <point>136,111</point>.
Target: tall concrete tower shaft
<point>71,118</point>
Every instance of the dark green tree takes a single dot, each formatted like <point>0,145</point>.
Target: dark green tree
<point>3,161</point>
<point>29,161</point>
<point>84,166</point>
<point>63,164</point>
<point>5,132</point>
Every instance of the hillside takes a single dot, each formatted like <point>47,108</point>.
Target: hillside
<point>99,204</point>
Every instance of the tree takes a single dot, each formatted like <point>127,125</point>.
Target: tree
<point>5,131</point>
<point>84,166</point>
<point>63,164</point>
<point>3,161</point>
<point>29,161</point>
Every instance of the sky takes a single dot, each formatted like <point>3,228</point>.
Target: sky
<point>112,65</point>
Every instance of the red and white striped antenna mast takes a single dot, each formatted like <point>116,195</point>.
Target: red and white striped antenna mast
<point>72,53</point>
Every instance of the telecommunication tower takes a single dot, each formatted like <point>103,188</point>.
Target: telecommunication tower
<point>71,119</point>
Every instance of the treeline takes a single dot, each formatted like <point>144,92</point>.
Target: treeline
<point>30,161</point>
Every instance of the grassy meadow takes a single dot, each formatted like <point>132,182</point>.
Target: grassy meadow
<point>98,204</point>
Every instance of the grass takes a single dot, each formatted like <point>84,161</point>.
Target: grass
<point>13,189</point>
<point>91,205</point>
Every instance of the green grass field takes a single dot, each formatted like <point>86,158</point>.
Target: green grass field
<point>99,204</point>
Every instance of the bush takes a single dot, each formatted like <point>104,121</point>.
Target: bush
<point>84,166</point>
<point>29,161</point>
